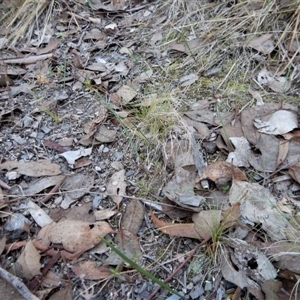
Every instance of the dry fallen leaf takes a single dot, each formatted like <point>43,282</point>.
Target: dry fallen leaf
<point>78,185</point>
<point>283,151</point>
<point>2,244</point>
<point>242,151</point>
<point>133,217</point>
<point>38,214</point>
<point>231,216</point>
<point>34,187</point>
<point>71,156</point>
<point>285,255</point>
<point>78,235</point>
<point>29,260</point>
<point>34,169</point>
<point>104,214</point>
<point>116,188</point>
<point>279,122</point>
<point>127,93</point>
<point>262,44</point>
<point>65,293</point>
<point>268,145</point>
<point>279,84</point>
<point>182,230</point>
<point>258,205</point>
<point>105,135</point>
<point>55,146</point>
<point>235,267</point>
<point>188,79</point>
<point>188,47</point>
<point>90,270</point>
<point>294,171</point>
<point>207,222</point>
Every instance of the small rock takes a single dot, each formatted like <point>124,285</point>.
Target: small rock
<point>129,173</point>
<point>12,175</point>
<point>117,165</point>
<point>18,139</point>
<point>197,292</point>
<point>40,135</point>
<point>197,278</point>
<point>45,129</point>
<point>27,156</point>
<point>105,150</point>
<point>58,200</point>
<point>66,127</point>
<point>190,286</point>
<point>220,293</point>
<point>118,155</point>
<point>97,200</point>
<point>27,121</point>
<point>208,286</point>
<point>8,144</point>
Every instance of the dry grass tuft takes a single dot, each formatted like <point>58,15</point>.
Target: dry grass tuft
<point>224,29</point>
<point>28,18</point>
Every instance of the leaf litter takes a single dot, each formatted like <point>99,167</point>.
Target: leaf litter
<point>225,174</point>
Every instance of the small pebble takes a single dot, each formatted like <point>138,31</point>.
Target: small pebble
<point>65,127</point>
<point>117,165</point>
<point>27,121</point>
<point>208,286</point>
<point>105,150</point>
<point>196,292</point>
<point>129,173</point>
<point>40,135</point>
<point>118,155</point>
<point>97,200</point>
<point>12,175</point>
<point>8,144</point>
<point>18,139</point>
<point>45,129</point>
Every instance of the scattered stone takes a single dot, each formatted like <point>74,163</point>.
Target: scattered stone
<point>27,121</point>
<point>129,173</point>
<point>45,129</point>
<point>40,136</point>
<point>208,286</point>
<point>105,150</point>
<point>118,155</point>
<point>197,292</point>
<point>117,165</point>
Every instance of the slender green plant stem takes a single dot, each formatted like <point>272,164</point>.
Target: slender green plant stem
<point>138,268</point>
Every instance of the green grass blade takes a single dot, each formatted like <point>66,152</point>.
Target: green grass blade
<point>138,268</point>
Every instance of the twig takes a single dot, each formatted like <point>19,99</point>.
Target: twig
<point>179,267</point>
<point>53,191</point>
<point>35,283</point>
<point>28,60</point>
<point>17,284</point>
<point>4,185</point>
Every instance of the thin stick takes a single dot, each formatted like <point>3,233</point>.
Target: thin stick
<point>17,284</point>
<point>4,185</point>
<point>53,191</point>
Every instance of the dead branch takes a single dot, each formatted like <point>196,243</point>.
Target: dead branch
<point>17,284</point>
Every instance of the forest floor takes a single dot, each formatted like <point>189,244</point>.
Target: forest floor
<point>169,128</point>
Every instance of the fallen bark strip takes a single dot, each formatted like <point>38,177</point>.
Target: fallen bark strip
<point>17,284</point>
<point>28,60</point>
